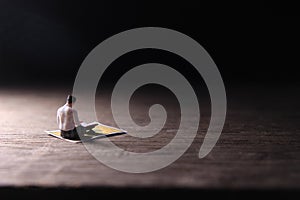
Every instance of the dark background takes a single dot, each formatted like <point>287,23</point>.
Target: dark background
<point>45,42</point>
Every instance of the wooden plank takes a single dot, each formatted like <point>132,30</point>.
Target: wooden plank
<point>259,147</point>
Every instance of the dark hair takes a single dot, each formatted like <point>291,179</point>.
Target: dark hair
<point>71,99</point>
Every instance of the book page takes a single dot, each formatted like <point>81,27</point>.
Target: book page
<point>84,124</point>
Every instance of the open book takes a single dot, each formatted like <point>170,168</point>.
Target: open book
<point>92,130</point>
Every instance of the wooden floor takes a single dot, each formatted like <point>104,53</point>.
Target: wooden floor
<point>259,148</point>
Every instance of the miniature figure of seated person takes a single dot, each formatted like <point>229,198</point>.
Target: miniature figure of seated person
<point>68,121</point>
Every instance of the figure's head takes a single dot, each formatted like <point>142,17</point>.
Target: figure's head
<point>71,99</point>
